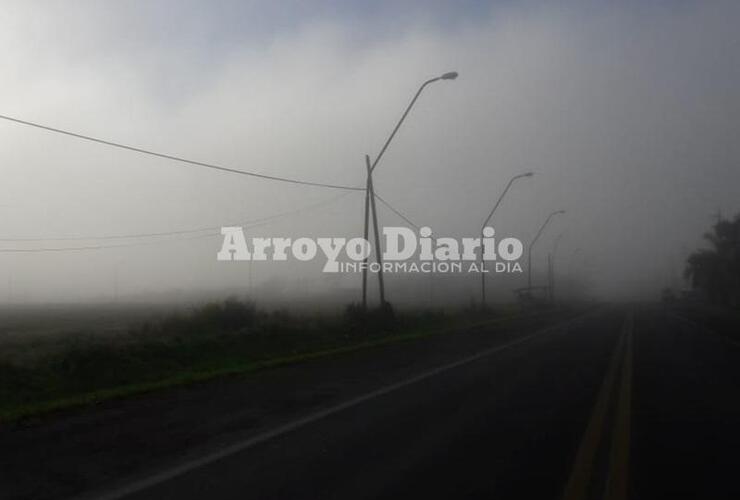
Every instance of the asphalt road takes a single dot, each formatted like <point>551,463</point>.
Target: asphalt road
<point>624,402</point>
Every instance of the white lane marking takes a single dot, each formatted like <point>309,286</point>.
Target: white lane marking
<point>181,469</point>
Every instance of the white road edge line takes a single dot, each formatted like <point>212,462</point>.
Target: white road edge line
<point>181,469</point>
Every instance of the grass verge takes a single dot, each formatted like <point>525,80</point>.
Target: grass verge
<point>78,377</point>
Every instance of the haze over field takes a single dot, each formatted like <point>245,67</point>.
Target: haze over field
<point>626,112</point>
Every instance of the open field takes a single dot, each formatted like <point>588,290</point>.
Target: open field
<point>137,350</point>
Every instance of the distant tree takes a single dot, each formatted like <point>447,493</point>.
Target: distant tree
<point>716,271</point>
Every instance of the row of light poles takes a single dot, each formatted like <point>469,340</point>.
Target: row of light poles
<point>370,208</point>
<point>531,245</point>
<point>483,227</point>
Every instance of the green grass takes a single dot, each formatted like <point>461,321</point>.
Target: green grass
<point>201,346</point>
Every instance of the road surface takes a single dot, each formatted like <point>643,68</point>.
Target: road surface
<point>621,402</point>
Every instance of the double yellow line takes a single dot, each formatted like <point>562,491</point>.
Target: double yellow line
<point>620,369</point>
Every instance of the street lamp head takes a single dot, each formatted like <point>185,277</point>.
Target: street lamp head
<point>528,174</point>
<point>560,212</point>
<point>449,76</point>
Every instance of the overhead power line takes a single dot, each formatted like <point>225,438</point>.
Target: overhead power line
<point>213,231</point>
<point>128,236</point>
<point>101,247</point>
<point>178,158</point>
<point>397,212</point>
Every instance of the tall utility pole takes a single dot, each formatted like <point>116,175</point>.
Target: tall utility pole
<point>571,285</point>
<point>531,246</point>
<point>552,266</point>
<point>365,235</point>
<point>483,227</point>
<point>376,231</point>
<point>370,197</point>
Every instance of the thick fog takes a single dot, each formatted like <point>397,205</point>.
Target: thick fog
<point>627,113</point>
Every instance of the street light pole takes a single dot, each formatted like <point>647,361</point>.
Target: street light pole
<point>549,277</point>
<point>370,198</point>
<point>483,227</point>
<point>376,232</point>
<point>365,235</point>
<point>447,76</point>
<point>531,246</point>
<point>570,271</point>
<point>552,267</point>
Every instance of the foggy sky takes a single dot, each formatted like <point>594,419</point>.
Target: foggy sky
<point>626,112</point>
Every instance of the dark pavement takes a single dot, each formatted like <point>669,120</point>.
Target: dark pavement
<point>623,402</point>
